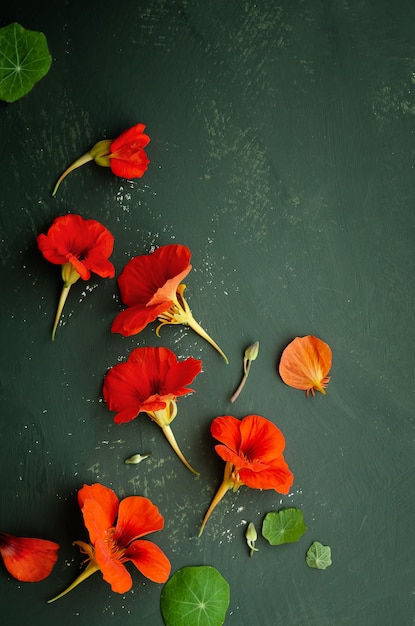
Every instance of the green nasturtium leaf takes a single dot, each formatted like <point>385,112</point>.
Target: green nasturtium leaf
<point>195,595</point>
<point>24,60</point>
<point>318,556</point>
<point>285,526</point>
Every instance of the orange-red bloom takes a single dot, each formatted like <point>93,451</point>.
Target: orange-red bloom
<point>29,560</point>
<point>305,364</point>
<point>80,246</point>
<point>150,381</point>
<point>115,530</point>
<point>150,286</point>
<point>253,450</point>
<point>124,155</point>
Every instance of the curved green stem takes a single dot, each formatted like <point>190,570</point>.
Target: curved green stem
<point>242,383</point>
<point>180,313</point>
<point>61,304</point>
<point>200,331</point>
<point>90,569</point>
<point>223,489</point>
<point>172,441</point>
<point>85,158</point>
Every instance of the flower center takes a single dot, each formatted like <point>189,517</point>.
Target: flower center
<point>116,551</point>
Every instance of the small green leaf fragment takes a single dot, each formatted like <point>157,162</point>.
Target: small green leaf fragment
<point>195,595</point>
<point>318,556</point>
<point>24,60</point>
<point>285,526</point>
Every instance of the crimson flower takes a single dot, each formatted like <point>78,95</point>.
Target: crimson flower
<point>305,364</point>
<point>150,381</point>
<point>29,560</point>
<point>115,529</point>
<point>253,451</point>
<point>124,155</point>
<point>150,286</point>
<point>80,246</point>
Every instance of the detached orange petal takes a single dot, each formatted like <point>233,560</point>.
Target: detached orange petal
<point>305,364</point>
<point>28,560</point>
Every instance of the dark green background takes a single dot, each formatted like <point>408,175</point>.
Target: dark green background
<point>282,154</point>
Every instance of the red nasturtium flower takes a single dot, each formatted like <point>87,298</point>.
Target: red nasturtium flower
<point>115,529</point>
<point>305,364</point>
<point>150,286</point>
<point>253,451</point>
<point>150,381</point>
<point>124,155</point>
<point>80,246</point>
<point>27,559</point>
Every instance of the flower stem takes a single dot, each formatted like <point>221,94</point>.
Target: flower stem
<point>242,383</point>
<point>250,355</point>
<point>200,331</point>
<point>81,161</point>
<point>180,313</point>
<point>61,304</point>
<point>172,441</point>
<point>90,569</point>
<point>223,489</point>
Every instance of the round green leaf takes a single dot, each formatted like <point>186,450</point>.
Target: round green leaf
<point>196,596</point>
<point>24,60</point>
<point>285,526</point>
<point>318,556</point>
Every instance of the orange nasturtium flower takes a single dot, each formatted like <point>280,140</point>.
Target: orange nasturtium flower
<point>80,246</point>
<point>27,559</point>
<point>253,451</point>
<point>150,286</point>
<point>124,155</point>
<point>305,364</point>
<point>150,381</point>
<point>115,529</point>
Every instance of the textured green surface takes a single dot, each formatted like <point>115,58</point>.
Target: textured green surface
<point>282,154</point>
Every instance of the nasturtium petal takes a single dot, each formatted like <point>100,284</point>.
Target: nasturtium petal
<point>195,595</point>
<point>318,556</point>
<point>285,526</point>
<point>24,60</point>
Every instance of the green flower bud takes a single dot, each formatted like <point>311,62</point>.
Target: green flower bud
<point>135,459</point>
<point>251,536</point>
